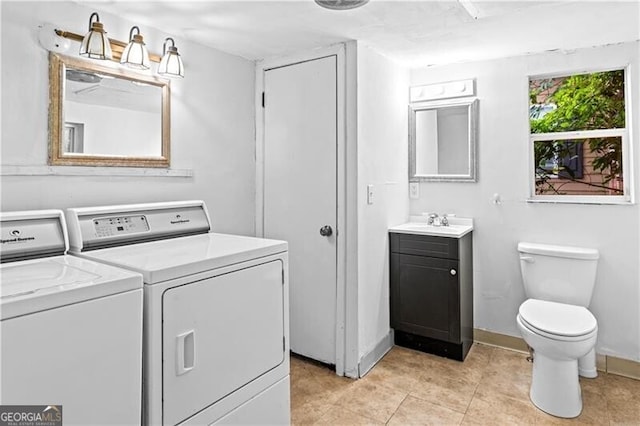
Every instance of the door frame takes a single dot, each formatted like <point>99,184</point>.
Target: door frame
<point>346,332</point>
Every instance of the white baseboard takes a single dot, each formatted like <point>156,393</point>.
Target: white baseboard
<point>370,359</point>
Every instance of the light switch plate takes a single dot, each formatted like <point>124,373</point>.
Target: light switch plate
<point>414,190</point>
<point>369,194</point>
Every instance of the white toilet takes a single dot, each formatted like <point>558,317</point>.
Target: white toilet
<point>556,324</point>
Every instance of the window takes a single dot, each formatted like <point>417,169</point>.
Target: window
<point>73,138</point>
<point>579,138</point>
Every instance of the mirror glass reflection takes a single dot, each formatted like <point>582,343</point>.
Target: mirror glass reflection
<point>104,114</point>
<point>442,141</point>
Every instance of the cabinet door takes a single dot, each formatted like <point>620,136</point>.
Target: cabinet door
<point>424,296</point>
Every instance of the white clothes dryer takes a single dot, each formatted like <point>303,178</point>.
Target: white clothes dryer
<point>216,346</point>
<point>71,329</point>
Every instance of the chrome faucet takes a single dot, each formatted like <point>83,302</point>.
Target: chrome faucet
<point>436,220</point>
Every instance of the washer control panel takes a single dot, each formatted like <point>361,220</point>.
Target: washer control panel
<point>120,225</point>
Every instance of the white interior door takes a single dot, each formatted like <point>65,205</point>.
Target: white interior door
<point>300,184</point>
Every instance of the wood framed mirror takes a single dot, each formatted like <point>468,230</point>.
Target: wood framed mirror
<point>106,115</point>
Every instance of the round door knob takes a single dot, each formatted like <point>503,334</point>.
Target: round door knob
<point>326,231</point>
<point>453,272</point>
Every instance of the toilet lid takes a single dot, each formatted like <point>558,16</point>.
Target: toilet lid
<point>558,318</point>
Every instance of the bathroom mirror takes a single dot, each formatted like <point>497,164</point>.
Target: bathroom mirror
<point>106,115</point>
<point>442,140</point>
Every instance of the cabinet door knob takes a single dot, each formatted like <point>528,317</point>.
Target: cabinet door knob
<point>453,272</point>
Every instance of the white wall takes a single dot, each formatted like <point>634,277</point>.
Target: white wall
<point>212,123</point>
<point>503,169</point>
<point>382,88</point>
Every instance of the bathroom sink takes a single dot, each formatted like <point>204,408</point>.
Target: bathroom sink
<point>458,229</point>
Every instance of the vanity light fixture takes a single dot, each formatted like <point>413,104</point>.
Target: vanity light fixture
<point>135,55</point>
<point>171,63</point>
<point>446,90</point>
<point>95,43</point>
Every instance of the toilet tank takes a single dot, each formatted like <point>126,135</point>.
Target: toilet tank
<point>558,273</point>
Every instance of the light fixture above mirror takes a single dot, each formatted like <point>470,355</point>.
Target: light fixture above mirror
<point>446,90</point>
<point>133,54</point>
<point>171,63</point>
<point>95,44</point>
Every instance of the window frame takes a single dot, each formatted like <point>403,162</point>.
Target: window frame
<point>627,198</point>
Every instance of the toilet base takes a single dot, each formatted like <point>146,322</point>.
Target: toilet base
<point>587,365</point>
<point>555,387</point>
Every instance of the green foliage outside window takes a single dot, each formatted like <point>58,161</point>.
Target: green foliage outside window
<point>581,102</point>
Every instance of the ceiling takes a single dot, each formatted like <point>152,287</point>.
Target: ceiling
<point>414,33</point>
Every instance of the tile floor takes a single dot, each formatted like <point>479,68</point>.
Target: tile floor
<point>412,388</point>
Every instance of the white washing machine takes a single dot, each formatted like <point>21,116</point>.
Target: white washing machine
<point>71,329</point>
<point>216,314</point>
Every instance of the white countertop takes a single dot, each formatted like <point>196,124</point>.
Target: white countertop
<point>458,227</point>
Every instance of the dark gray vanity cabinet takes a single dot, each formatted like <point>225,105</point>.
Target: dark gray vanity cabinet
<point>431,293</point>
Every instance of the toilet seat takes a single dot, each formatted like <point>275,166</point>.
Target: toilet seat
<point>558,321</point>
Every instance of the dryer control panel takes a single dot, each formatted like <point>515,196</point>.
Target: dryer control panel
<point>91,228</point>
<point>120,225</point>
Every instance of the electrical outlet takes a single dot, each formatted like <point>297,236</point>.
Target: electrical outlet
<point>414,190</point>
